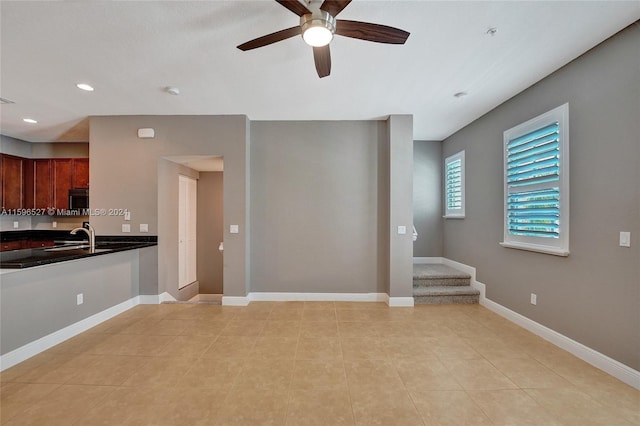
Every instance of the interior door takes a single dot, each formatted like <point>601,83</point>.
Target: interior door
<point>187,196</point>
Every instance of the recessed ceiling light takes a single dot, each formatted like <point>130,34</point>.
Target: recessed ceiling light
<point>29,120</point>
<point>460,94</point>
<point>84,86</point>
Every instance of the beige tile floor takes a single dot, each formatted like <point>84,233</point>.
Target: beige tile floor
<point>305,363</point>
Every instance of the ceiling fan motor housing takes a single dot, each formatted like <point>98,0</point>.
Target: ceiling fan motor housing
<point>320,21</point>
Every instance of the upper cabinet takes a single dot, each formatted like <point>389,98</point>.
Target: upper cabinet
<point>80,172</point>
<point>38,179</point>
<point>46,181</point>
<point>12,181</point>
<point>62,181</point>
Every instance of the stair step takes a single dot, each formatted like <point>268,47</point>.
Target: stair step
<point>440,295</point>
<point>445,291</point>
<point>437,271</point>
<point>441,282</point>
<point>428,275</point>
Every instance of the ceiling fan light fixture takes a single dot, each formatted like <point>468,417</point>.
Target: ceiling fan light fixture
<point>318,28</point>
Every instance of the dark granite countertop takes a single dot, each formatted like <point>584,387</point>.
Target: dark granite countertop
<point>27,258</point>
<point>40,235</point>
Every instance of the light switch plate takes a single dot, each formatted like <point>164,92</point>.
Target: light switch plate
<point>54,224</point>
<point>402,230</point>
<point>127,215</point>
<point>126,227</point>
<point>16,224</point>
<point>625,239</point>
<point>144,227</point>
<point>234,229</point>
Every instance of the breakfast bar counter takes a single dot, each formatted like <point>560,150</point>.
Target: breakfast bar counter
<point>64,251</point>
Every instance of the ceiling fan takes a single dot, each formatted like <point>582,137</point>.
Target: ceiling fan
<point>318,26</point>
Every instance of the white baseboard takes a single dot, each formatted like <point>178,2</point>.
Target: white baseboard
<point>428,260</point>
<point>398,302</point>
<point>166,297</point>
<point>618,370</point>
<point>209,297</point>
<point>317,297</point>
<point>148,299</point>
<point>235,300</point>
<point>609,365</point>
<point>34,348</point>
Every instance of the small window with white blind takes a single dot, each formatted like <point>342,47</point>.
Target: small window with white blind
<point>536,184</point>
<point>454,186</point>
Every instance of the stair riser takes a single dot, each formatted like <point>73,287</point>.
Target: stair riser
<point>445,300</point>
<point>430,282</point>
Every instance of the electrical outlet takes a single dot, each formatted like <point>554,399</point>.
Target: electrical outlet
<point>126,227</point>
<point>402,230</point>
<point>127,215</point>
<point>54,224</point>
<point>144,227</point>
<point>234,229</point>
<point>625,239</point>
<point>534,299</point>
<point>16,224</point>
<point>80,299</point>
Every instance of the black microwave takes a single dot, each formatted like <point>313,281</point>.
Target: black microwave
<point>78,198</point>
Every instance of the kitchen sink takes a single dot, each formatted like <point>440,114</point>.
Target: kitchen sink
<point>68,247</point>
<point>76,247</point>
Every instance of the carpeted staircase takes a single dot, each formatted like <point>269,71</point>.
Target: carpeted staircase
<point>438,284</point>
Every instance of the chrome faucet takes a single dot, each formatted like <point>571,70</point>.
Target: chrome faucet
<point>90,232</point>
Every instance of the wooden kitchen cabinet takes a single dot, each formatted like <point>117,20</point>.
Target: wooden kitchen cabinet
<point>39,243</point>
<point>12,175</point>
<point>80,173</point>
<point>47,181</point>
<point>62,181</point>
<point>38,181</point>
<point>11,245</point>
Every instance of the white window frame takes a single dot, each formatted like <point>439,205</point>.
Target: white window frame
<point>559,246</point>
<point>455,213</point>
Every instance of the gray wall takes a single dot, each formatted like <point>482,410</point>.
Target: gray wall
<point>323,212</point>
<point>316,225</point>
<point>20,148</point>
<point>124,174</point>
<point>13,146</point>
<point>168,178</point>
<point>38,301</point>
<point>592,296</point>
<point>427,198</point>
<point>210,232</point>
<point>400,135</point>
<point>60,150</point>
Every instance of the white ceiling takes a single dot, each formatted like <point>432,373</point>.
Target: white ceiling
<point>201,163</point>
<point>131,51</point>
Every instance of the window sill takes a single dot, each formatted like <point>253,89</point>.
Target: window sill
<point>453,216</point>
<point>540,249</point>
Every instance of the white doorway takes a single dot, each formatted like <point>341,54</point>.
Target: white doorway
<point>187,230</point>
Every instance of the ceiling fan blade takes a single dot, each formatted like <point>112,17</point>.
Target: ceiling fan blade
<point>334,6</point>
<point>295,6</point>
<point>270,38</point>
<point>371,32</point>
<point>322,58</point>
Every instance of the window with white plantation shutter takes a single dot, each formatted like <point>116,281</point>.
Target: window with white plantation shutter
<point>454,186</point>
<point>536,184</point>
